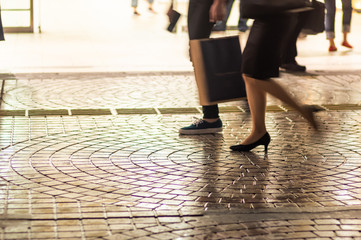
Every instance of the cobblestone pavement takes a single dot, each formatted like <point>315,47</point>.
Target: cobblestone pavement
<point>98,156</point>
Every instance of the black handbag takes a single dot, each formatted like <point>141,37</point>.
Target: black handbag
<point>217,67</point>
<point>263,8</point>
<point>315,22</point>
<point>1,29</point>
<point>173,17</point>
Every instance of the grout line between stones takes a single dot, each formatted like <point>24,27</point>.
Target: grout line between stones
<point>161,111</point>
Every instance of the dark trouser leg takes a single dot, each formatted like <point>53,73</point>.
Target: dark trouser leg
<point>200,27</point>
<point>297,21</point>
<point>242,22</point>
<point>222,25</point>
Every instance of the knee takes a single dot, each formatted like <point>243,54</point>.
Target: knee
<point>249,80</point>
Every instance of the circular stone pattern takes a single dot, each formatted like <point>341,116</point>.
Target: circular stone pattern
<point>149,165</point>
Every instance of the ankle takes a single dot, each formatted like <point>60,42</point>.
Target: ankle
<point>308,113</point>
<point>258,131</point>
<point>211,120</point>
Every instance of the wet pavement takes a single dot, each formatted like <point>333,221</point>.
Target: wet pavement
<point>97,154</point>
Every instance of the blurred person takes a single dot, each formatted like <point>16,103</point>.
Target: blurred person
<point>202,15</point>
<point>288,57</point>
<point>135,6</point>
<point>261,62</point>
<point>330,22</point>
<point>2,38</point>
<point>222,25</point>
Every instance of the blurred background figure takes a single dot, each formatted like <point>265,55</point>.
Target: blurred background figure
<point>1,29</point>
<point>289,52</point>
<point>135,6</point>
<point>222,25</point>
<point>330,22</point>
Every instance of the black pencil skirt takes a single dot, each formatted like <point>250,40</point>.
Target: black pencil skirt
<point>262,53</point>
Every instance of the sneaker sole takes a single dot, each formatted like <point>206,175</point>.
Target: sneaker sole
<point>200,131</point>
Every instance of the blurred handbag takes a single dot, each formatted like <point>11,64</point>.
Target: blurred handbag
<point>315,22</point>
<point>1,29</point>
<point>262,8</point>
<point>217,67</point>
<point>173,17</point>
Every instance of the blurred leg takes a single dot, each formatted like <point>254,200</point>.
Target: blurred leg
<point>257,104</point>
<point>222,25</point>
<point>346,21</point>
<point>199,27</point>
<point>134,3</point>
<point>150,6</point>
<point>242,22</point>
<point>330,18</point>
<point>256,93</point>
<point>134,6</point>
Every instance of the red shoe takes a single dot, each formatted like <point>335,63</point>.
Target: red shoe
<point>332,49</point>
<point>346,44</point>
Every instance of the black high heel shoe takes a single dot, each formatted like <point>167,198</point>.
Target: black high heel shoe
<point>265,140</point>
<point>310,110</point>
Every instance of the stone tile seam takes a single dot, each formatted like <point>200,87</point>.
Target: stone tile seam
<point>252,217</point>
<point>282,214</point>
<point>310,210</point>
<point>157,111</point>
<point>96,218</point>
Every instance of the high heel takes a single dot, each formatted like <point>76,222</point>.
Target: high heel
<point>265,140</point>
<point>310,110</point>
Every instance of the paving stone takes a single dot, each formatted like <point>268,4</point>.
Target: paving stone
<point>119,172</point>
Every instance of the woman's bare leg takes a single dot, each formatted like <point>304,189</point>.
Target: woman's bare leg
<point>256,94</point>
<point>257,99</point>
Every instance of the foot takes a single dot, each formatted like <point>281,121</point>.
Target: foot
<point>264,140</point>
<point>217,28</point>
<point>243,28</point>
<point>332,48</point>
<point>201,126</point>
<point>293,67</point>
<point>346,44</point>
<point>309,111</point>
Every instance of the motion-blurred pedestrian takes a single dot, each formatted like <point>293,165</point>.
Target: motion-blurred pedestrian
<point>330,23</point>
<point>289,52</point>
<point>260,63</point>
<point>135,6</point>
<point>2,38</point>
<point>242,22</point>
<point>202,15</point>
